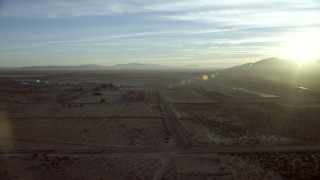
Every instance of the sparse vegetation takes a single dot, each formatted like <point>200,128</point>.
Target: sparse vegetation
<point>137,96</point>
<point>97,93</point>
<point>132,118</point>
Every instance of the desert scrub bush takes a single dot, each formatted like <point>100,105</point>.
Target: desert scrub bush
<point>303,122</point>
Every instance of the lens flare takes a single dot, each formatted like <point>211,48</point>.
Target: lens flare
<point>205,77</point>
<point>5,131</point>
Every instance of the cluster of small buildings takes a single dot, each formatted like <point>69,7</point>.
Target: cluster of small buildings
<point>104,87</point>
<point>32,83</point>
<point>136,96</point>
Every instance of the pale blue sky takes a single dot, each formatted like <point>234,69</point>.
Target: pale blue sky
<point>174,32</point>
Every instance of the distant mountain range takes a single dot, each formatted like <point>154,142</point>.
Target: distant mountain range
<point>86,66</point>
<point>269,65</point>
<point>129,66</point>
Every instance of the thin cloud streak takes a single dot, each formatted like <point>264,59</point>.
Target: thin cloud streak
<point>245,17</point>
<point>202,29</point>
<point>82,8</point>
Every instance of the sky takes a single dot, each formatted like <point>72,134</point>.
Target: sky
<point>172,32</point>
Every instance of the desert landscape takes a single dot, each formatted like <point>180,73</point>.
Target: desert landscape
<point>159,90</point>
<point>156,125</point>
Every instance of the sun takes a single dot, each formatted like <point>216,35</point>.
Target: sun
<point>301,49</point>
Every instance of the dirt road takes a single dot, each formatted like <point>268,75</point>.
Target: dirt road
<point>172,123</point>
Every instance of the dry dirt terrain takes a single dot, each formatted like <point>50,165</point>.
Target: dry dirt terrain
<point>155,125</point>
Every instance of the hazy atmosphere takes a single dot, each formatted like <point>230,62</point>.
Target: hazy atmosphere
<point>177,33</point>
<point>159,90</point>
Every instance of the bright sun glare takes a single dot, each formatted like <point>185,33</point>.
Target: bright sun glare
<point>302,49</point>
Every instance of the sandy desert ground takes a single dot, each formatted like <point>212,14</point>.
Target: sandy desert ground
<point>154,126</point>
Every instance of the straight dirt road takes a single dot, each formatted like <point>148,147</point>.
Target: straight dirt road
<point>172,122</point>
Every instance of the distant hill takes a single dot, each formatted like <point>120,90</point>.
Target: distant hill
<point>138,66</point>
<point>277,66</point>
<point>278,71</point>
<point>270,63</point>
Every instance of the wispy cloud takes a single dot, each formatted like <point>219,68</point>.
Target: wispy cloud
<point>250,17</point>
<point>181,30</point>
<point>80,8</point>
<point>62,8</point>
